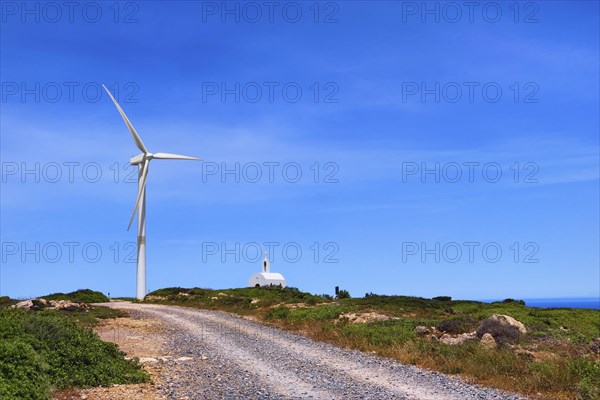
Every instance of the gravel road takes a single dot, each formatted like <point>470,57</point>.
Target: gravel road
<point>229,357</point>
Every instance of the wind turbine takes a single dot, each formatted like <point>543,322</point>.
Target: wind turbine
<point>142,161</point>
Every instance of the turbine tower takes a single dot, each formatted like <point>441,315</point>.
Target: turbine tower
<point>142,161</point>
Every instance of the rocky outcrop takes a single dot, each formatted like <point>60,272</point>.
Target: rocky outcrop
<point>155,298</point>
<point>363,318</point>
<point>457,339</point>
<point>433,334</point>
<point>67,305</point>
<point>41,304</point>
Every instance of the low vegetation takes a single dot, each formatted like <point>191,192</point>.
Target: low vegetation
<point>239,300</point>
<point>557,357</point>
<point>43,351</point>
<point>79,296</point>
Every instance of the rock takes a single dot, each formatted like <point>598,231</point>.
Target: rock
<point>488,341</point>
<point>40,302</point>
<point>67,305</point>
<point>145,360</point>
<point>457,339</point>
<point>27,304</point>
<point>595,345</point>
<point>422,330</point>
<point>507,320</point>
<point>433,338</point>
<point>363,318</point>
<point>526,354</point>
<point>155,298</point>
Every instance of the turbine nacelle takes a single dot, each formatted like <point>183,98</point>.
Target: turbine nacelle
<point>140,158</point>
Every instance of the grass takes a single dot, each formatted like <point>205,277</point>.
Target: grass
<point>44,351</point>
<point>554,358</point>
<point>91,317</point>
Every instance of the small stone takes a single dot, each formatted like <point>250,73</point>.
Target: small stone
<point>488,341</point>
<point>422,330</point>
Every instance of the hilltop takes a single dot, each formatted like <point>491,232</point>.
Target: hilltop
<point>555,352</point>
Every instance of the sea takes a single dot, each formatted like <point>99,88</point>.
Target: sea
<point>582,302</point>
<point>568,302</point>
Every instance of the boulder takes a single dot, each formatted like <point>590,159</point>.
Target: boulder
<point>507,320</point>
<point>27,304</point>
<point>488,341</point>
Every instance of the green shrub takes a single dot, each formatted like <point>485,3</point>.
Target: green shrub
<point>46,348</point>
<point>456,325</point>
<point>343,294</point>
<point>442,298</point>
<point>311,301</point>
<point>589,371</point>
<point>23,372</point>
<point>79,296</point>
<point>198,292</point>
<point>278,313</point>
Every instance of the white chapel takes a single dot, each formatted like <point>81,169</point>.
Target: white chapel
<point>266,277</point>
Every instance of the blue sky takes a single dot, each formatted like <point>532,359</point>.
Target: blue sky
<point>372,95</point>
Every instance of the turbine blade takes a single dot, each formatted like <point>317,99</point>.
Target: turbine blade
<point>136,137</point>
<point>169,156</point>
<point>142,186</point>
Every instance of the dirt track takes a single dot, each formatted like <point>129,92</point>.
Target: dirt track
<point>215,355</point>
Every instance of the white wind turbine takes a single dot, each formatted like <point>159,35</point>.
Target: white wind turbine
<point>142,162</point>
